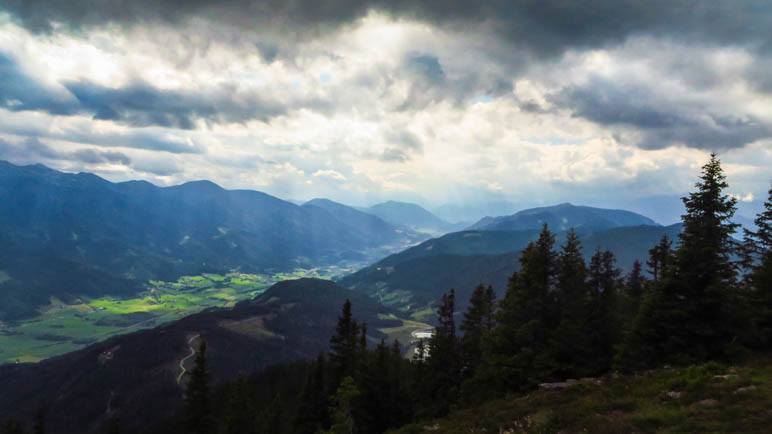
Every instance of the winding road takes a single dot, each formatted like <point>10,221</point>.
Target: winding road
<point>192,353</point>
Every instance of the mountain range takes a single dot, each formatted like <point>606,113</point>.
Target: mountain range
<point>69,235</point>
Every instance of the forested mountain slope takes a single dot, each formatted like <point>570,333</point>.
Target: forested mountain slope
<point>136,375</point>
<point>416,277</point>
<point>68,235</point>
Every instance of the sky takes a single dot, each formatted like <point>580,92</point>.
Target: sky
<point>451,104</point>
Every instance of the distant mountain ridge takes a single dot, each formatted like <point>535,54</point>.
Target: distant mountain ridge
<point>383,231</point>
<point>68,235</point>
<point>410,215</point>
<point>563,216</point>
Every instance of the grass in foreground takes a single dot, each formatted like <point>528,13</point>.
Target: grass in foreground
<point>710,398</point>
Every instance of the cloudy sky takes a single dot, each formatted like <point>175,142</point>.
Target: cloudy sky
<point>607,102</point>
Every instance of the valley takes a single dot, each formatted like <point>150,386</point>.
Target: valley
<point>63,327</point>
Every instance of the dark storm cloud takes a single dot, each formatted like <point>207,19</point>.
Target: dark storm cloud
<point>661,120</point>
<point>19,92</point>
<point>545,26</point>
<point>148,139</point>
<point>141,104</point>
<point>92,156</point>
<point>33,149</point>
<point>138,104</point>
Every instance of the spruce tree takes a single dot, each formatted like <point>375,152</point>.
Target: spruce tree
<point>12,426</point>
<point>374,413</point>
<point>705,278</point>
<point>570,341</point>
<point>400,405</point>
<point>343,408</point>
<point>478,321</point>
<point>269,420</point>
<point>40,422</point>
<point>758,276</point>
<point>635,285</point>
<point>345,345</point>
<point>660,259</point>
<point>239,414</point>
<point>313,401</point>
<point>444,363</point>
<point>197,395</point>
<point>517,352</point>
<point>111,426</point>
<point>686,318</point>
<point>363,338</point>
<point>603,318</point>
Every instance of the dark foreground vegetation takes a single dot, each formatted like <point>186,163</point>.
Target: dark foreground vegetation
<point>702,298</point>
<point>707,398</point>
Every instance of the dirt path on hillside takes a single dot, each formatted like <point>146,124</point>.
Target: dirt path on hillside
<point>192,353</point>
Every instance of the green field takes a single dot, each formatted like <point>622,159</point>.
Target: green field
<point>62,327</point>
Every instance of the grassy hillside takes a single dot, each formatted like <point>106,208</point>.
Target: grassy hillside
<point>62,327</point>
<point>710,398</point>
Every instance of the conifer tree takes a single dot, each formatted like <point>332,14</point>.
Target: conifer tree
<point>343,408</point>
<point>269,420</point>
<point>111,426</point>
<point>345,345</point>
<point>478,321</point>
<point>443,365</point>
<point>400,405</point>
<point>40,422</point>
<point>705,274</point>
<point>603,321</point>
<point>635,285</point>
<point>363,338</point>
<point>660,259</point>
<point>517,353</point>
<point>570,340</point>
<point>374,415</point>
<point>758,275</point>
<point>313,401</point>
<point>686,317</point>
<point>197,395</point>
<point>418,367</point>
<point>12,426</point>
<point>239,414</point>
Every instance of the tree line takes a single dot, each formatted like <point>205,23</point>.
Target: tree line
<point>705,296</point>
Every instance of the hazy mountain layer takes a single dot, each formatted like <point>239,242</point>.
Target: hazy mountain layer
<point>410,215</point>
<point>68,235</point>
<point>562,217</point>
